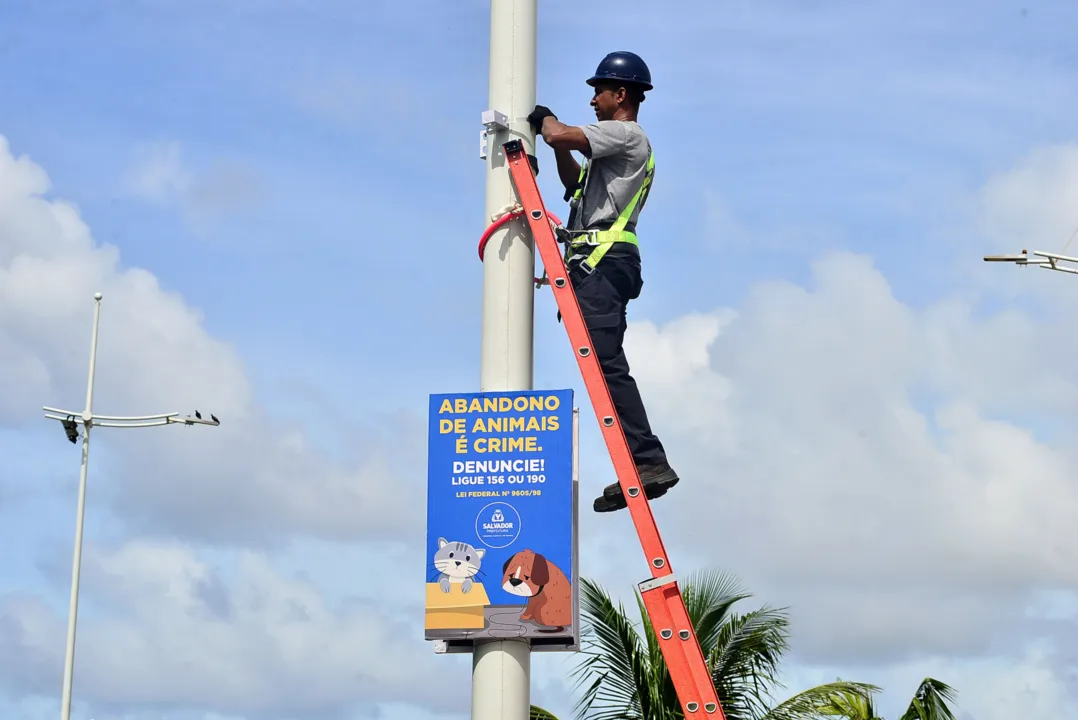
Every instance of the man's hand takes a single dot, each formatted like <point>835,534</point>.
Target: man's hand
<point>538,115</point>
<point>562,138</point>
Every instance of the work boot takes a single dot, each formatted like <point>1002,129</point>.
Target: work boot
<point>657,479</point>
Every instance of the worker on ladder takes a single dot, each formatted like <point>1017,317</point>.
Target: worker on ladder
<point>606,195</point>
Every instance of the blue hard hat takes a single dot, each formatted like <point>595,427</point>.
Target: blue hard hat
<point>623,66</point>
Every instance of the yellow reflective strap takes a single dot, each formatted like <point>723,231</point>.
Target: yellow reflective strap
<point>580,180</point>
<point>597,255</point>
<point>623,218</point>
<point>604,239</point>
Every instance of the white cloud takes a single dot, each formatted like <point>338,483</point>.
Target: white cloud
<point>1024,678</point>
<point>174,632</point>
<point>1036,201</point>
<point>676,361</point>
<point>247,642</point>
<point>900,476</point>
<point>252,478</point>
<point>835,474</point>
<point>160,173</point>
<point>867,462</point>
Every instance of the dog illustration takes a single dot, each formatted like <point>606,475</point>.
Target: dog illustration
<point>550,599</point>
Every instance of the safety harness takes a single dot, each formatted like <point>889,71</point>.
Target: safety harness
<point>602,240</point>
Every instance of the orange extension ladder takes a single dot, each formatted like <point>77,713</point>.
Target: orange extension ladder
<point>661,594</point>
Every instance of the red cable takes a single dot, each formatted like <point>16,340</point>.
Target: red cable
<point>501,221</point>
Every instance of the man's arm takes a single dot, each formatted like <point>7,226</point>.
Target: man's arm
<point>563,139</point>
<point>560,136</point>
<point>568,170</point>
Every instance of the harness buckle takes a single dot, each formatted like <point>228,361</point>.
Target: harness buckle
<point>584,237</point>
<point>582,263</point>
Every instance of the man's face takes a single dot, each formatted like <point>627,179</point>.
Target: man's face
<point>606,100</point>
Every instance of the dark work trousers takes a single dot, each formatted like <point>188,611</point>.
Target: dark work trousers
<point>603,296</point>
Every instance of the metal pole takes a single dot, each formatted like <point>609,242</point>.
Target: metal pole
<point>67,417</point>
<point>501,670</point>
<point>73,608</point>
<point>509,261</point>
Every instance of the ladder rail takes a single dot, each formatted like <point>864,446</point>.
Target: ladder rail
<point>662,598</point>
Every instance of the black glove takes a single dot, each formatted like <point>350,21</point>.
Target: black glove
<point>540,113</point>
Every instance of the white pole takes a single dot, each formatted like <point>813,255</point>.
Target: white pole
<point>509,260</point>
<point>501,670</point>
<point>88,421</point>
<point>73,608</point>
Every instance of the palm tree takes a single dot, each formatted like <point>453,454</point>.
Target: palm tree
<point>928,703</point>
<point>629,679</point>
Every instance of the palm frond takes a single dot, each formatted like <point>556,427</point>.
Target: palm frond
<point>745,659</point>
<point>708,598</point>
<point>616,662</point>
<point>709,595</point>
<point>854,705</point>
<point>624,676</point>
<point>847,700</point>
<point>930,701</point>
<point>538,713</point>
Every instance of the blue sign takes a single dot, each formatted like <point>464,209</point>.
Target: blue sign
<point>501,518</point>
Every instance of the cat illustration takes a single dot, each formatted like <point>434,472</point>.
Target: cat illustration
<point>457,562</point>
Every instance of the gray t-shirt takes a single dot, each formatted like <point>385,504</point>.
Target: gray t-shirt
<point>616,170</point>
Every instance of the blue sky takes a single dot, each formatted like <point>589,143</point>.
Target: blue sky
<point>303,179</point>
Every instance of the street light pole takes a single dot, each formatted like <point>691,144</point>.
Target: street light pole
<point>1046,260</point>
<point>501,669</point>
<point>69,420</point>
